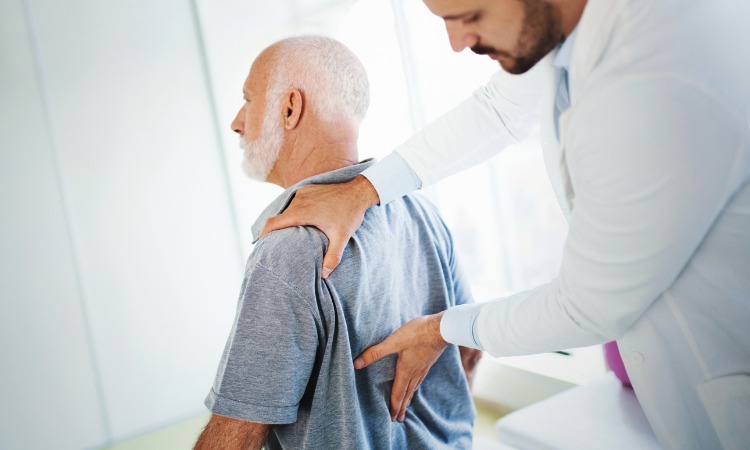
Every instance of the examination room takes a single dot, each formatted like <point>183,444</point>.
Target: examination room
<point>369,224</point>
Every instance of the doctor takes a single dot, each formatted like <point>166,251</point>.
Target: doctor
<point>645,113</point>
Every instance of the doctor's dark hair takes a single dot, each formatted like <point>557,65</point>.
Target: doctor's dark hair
<point>330,76</point>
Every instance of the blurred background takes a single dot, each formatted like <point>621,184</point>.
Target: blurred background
<point>126,217</point>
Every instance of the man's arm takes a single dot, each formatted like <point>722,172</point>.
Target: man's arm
<point>224,433</point>
<point>503,112</point>
<point>648,188</point>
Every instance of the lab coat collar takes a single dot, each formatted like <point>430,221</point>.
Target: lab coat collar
<point>282,201</point>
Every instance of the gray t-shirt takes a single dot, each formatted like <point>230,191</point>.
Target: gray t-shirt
<point>288,359</point>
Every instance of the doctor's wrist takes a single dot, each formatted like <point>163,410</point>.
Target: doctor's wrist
<point>364,192</point>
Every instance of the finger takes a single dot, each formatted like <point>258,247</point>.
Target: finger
<point>398,394</point>
<point>375,353</point>
<point>407,403</point>
<point>411,397</point>
<point>332,257</point>
<point>413,385</point>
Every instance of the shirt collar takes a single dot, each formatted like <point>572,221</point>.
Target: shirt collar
<point>565,51</point>
<point>282,201</point>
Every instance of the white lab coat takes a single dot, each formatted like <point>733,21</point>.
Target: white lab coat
<point>651,168</point>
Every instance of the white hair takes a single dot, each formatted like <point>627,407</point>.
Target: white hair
<point>325,70</point>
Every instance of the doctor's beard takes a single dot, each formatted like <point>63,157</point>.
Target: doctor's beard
<point>261,153</point>
<point>541,32</point>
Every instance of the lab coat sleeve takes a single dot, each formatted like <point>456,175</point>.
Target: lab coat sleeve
<point>501,113</point>
<point>652,161</point>
<point>392,178</point>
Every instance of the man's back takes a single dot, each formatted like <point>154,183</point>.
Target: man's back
<point>289,358</point>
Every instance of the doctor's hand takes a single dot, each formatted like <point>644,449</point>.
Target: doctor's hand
<point>418,344</point>
<point>335,209</point>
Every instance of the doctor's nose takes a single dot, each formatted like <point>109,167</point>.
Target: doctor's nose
<point>238,124</point>
<point>459,37</point>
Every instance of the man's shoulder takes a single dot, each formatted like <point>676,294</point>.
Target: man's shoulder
<point>290,254</point>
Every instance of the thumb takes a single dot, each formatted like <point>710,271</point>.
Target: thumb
<point>278,222</point>
<point>375,353</point>
<point>332,257</point>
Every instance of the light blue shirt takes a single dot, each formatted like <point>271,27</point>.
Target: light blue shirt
<point>565,52</point>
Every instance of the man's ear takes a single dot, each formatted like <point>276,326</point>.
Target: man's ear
<point>292,108</point>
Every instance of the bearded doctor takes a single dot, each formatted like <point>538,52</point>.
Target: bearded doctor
<point>644,107</point>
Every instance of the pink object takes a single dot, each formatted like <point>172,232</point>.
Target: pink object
<point>614,361</point>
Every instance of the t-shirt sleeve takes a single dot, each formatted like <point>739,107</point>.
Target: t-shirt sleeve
<point>461,286</point>
<point>269,355</point>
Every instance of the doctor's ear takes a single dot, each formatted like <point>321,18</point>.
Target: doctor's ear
<point>292,108</point>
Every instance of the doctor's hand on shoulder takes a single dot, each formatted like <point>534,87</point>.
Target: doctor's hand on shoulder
<point>335,209</point>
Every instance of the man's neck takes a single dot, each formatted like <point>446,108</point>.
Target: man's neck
<point>312,153</point>
<point>316,167</point>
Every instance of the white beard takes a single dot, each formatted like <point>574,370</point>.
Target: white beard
<point>260,154</point>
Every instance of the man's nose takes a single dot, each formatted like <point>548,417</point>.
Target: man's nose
<point>238,124</point>
<point>459,37</point>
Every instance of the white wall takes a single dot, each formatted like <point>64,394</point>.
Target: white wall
<point>48,373</point>
<point>120,252</point>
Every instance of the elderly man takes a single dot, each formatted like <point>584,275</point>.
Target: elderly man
<point>286,377</point>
